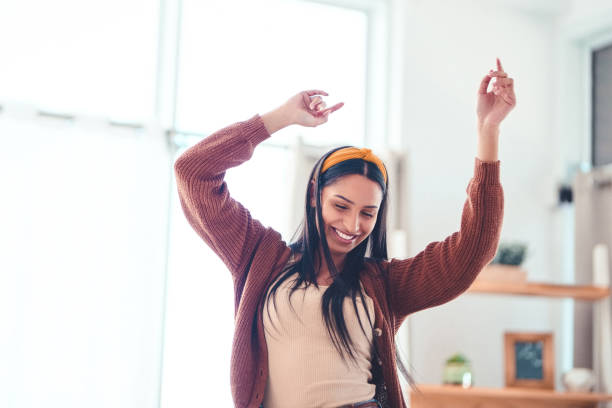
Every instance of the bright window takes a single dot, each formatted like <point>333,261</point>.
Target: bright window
<point>239,58</point>
<point>82,57</point>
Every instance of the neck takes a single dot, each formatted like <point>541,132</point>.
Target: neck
<point>321,264</point>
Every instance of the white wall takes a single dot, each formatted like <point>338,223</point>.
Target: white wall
<point>450,46</point>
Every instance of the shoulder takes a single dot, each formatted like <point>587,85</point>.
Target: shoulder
<point>376,267</point>
<point>270,251</point>
<point>375,262</point>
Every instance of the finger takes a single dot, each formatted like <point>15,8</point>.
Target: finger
<point>321,118</point>
<point>314,101</point>
<point>498,89</point>
<point>498,73</point>
<point>320,106</point>
<point>501,90</point>
<point>305,99</point>
<point>499,65</point>
<point>512,96</point>
<point>508,99</point>
<point>484,84</point>
<point>333,108</point>
<point>315,92</point>
<point>505,82</point>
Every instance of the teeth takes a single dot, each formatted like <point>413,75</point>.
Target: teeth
<point>344,235</point>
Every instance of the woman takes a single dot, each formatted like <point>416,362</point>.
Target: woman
<point>292,352</point>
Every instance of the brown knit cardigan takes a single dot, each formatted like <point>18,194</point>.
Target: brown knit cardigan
<point>255,255</point>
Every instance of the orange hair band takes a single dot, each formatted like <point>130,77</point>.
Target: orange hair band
<point>353,153</point>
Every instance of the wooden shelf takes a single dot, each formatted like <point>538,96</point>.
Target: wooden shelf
<point>584,292</point>
<point>459,397</point>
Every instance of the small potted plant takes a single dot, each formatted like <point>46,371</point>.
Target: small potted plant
<point>506,266</point>
<point>458,371</point>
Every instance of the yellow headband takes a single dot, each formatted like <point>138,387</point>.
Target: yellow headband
<point>353,153</point>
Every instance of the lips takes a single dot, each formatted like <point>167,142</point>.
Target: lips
<point>342,237</point>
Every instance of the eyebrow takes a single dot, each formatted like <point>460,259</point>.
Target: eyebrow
<point>344,198</point>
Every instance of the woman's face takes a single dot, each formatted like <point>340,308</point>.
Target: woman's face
<point>350,208</point>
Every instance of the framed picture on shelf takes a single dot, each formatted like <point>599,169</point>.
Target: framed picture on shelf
<point>529,360</point>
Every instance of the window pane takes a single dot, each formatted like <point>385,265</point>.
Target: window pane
<point>80,56</point>
<point>602,105</point>
<point>239,58</point>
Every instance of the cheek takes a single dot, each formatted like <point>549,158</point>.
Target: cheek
<point>367,227</point>
<point>328,215</point>
<point>371,222</point>
<point>326,220</point>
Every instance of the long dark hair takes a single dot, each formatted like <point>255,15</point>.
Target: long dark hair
<point>307,240</point>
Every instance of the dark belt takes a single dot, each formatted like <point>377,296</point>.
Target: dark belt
<point>356,405</point>
<point>372,404</point>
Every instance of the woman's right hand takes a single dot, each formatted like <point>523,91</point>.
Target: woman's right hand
<point>307,108</point>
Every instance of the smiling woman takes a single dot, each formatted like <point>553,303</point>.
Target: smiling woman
<point>296,355</point>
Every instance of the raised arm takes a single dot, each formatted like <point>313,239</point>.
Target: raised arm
<point>445,269</point>
<point>222,222</point>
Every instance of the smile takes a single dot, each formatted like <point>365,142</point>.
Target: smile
<point>344,237</point>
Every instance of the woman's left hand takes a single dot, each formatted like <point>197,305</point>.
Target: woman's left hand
<point>495,105</point>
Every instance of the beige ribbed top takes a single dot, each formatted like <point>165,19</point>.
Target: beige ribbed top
<point>305,369</point>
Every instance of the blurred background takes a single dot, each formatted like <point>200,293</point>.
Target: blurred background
<point>109,299</point>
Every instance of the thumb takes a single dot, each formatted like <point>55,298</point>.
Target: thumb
<point>484,84</point>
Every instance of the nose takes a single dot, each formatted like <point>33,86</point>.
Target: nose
<point>351,223</point>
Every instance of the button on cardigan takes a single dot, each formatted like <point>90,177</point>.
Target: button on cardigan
<point>255,255</point>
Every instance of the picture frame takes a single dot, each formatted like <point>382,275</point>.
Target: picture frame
<point>529,360</point>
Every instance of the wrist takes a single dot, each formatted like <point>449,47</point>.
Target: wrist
<point>488,141</point>
<point>488,129</point>
<point>276,120</point>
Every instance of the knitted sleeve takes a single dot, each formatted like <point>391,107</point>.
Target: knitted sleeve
<point>222,222</point>
<point>445,269</point>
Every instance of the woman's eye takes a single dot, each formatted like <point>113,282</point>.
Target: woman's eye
<point>368,215</point>
<point>341,206</point>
